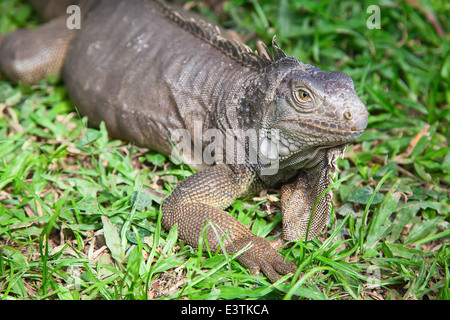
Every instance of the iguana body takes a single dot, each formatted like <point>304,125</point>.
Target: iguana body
<point>150,73</point>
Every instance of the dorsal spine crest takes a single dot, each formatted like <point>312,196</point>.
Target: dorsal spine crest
<point>212,35</point>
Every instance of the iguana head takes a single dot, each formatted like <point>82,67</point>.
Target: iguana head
<point>303,109</point>
<point>305,118</point>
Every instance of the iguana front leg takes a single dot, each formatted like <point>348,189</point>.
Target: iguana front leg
<point>202,197</point>
<point>303,214</point>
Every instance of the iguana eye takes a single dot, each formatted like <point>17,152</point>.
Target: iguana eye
<point>301,95</point>
<point>304,96</point>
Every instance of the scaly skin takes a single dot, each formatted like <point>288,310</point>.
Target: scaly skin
<point>147,71</point>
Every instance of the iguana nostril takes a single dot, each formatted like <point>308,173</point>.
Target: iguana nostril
<point>348,115</point>
<point>360,123</point>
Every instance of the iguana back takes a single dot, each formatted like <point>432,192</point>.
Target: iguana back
<point>145,76</point>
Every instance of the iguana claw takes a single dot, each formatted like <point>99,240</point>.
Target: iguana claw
<point>261,256</point>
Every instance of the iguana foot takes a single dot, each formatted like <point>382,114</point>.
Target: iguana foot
<point>261,256</point>
<point>277,244</point>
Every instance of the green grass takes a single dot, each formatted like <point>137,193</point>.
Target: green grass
<point>80,217</point>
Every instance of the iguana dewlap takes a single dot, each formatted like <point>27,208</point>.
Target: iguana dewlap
<point>152,75</point>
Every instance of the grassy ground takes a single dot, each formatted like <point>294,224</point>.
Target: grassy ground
<point>79,212</point>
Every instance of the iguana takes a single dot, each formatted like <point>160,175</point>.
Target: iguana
<point>152,74</point>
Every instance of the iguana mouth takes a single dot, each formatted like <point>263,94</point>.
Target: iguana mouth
<point>331,129</point>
